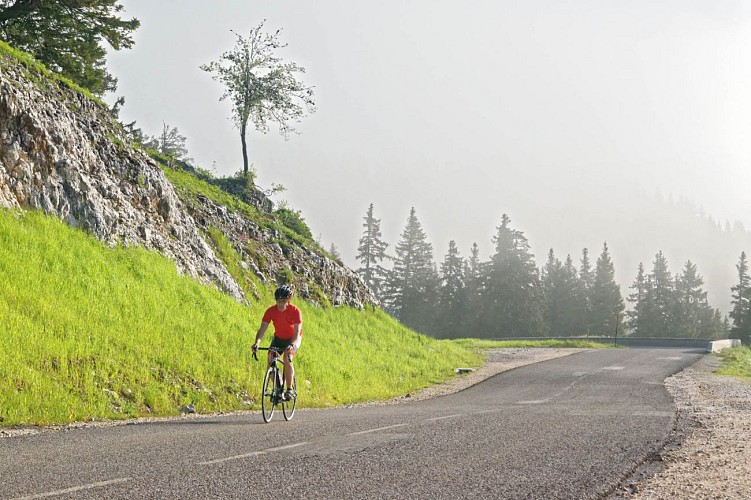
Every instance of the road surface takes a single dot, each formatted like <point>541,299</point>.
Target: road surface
<point>572,427</point>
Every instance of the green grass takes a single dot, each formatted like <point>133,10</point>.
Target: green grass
<point>289,223</point>
<point>91,332</point>
<point>40,69</point>
<point>736,362</point>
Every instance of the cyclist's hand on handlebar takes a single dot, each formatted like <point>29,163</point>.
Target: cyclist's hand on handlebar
<point>254,348</point>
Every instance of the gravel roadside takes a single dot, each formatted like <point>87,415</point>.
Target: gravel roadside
<point>713,459</point>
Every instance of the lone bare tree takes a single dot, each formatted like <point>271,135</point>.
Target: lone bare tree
<point>261,86</point>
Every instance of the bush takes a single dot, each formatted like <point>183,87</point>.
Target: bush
<point>293,220</point>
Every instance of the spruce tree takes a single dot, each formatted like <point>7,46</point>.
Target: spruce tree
<point>413,281</point>
<point>554,293</point>
<point>586,280</point>
<point>452,295</point>
<point>563,297</point>
<point>606,299</point>
<point>741,301</point>
<point>475,273</point>
<point>691,308</point>
<point>639,287</point>
<point>371,251</point>
<point>513,301</point>
<point>170,143</point>
<point>67,35</point>
<point>656,314</point>
<point>575,322</point>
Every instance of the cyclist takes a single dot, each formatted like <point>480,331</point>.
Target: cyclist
<point>287,321</point>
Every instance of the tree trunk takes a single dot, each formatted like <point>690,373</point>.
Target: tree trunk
<point>243,128</point>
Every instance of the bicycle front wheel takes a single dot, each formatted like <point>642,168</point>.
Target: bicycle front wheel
<point>289,405</point>
<point>270,394</point>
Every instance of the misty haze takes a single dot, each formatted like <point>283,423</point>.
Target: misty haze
<point>586,123</point>
<point>417,222</point>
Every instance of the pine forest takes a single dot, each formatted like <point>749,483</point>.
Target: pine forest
<point>510,296</point>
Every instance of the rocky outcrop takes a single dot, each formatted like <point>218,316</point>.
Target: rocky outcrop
<point>62,153</point>
<point>269,254</point>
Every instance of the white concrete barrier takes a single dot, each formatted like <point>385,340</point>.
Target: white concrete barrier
<point>718,345</point>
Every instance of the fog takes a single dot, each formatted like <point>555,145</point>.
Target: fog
<point>571,116</point>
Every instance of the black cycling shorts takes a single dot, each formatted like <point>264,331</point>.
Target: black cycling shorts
<point>280,344</point>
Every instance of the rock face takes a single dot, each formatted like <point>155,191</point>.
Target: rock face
<point>62,153</point>
<point>269,255</point>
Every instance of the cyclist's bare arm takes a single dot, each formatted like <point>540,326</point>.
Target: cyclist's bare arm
<point>260,334</point>
<point>296,329</point>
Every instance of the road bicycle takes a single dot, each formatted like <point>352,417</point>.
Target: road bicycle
<point>273,388</point>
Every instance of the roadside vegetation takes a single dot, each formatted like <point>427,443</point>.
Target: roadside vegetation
<point>501,344</point>
<point>91,332</point>
<point>35,67</point>
<point>736,362</point>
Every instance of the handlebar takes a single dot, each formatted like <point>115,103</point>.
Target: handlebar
<point>272,349</point>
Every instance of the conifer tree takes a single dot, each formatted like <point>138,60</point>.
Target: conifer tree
<point>413,281</point>
<point>637,297</point>
<point>586,280</point>
<point>513,301</point>
<point>576,322</point>
<point>691,307</point>
<point>554,293</point>
<point>606,299</point>
<point>334,251</point>
<point>67,35</point>
<point>170,142</point>
<point>371,251</point>
<point>564,309</point>
<point>655,315</point>
<point>741,301</point>
<point>451,295</point>
<point>475,272</point>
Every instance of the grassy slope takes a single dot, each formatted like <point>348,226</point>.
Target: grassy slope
<point>93,332</point>
<point>736,362</point>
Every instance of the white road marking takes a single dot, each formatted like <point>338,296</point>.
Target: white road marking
<point>614,368</point>
<point>285,447</point>
<point>252,454</point>
<point>76,488</point>
<point>533,402</point>
<point>235,457</point>
<point>376,429</point>
<point>445,417</point>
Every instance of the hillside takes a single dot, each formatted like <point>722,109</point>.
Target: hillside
<point>91,332</point>
<point>61,152</point>
<point>132,288</point>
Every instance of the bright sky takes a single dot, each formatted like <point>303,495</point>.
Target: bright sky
<point>468,109</point>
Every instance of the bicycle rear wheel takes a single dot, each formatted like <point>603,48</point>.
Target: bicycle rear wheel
<point>270,394</point>
<point>289,405</point>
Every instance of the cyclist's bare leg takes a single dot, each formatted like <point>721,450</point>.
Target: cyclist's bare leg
<point>289,369</point>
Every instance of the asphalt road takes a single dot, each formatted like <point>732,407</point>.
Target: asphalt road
<point>572,427</point>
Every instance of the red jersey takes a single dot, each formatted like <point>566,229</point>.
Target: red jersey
<point>283,321</point>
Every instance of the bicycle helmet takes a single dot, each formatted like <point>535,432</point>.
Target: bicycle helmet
<point>284,292</point>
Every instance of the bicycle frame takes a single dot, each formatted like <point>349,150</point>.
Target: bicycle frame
<point>273,385</point>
